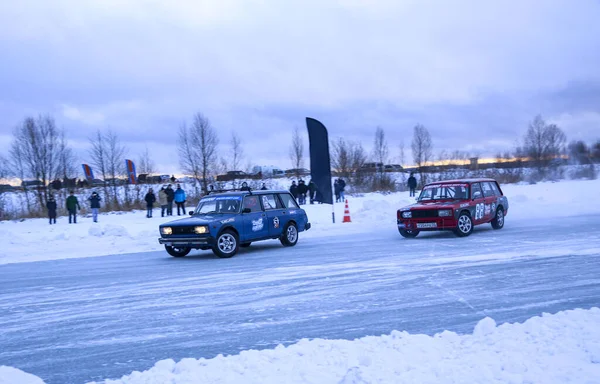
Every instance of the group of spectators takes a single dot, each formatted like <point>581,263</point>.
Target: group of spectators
<point>166,197</point>
<point>72,205</point>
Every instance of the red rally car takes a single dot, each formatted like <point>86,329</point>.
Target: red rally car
<point>456,205</point>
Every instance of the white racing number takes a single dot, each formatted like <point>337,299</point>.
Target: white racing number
<point>479,208</point>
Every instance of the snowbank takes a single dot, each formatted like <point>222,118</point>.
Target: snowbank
<point>559,348</point>
<point>118,233</point>
<point>9,375</point>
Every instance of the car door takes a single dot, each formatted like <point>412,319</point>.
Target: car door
<point>254,222</point>
<point>478,201</point>
<point>276,213</point>
<point>490,201</point>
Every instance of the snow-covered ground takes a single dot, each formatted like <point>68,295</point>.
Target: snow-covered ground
<point>118,233</point>
<point>268,293</point>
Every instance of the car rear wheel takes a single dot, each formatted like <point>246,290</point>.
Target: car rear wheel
<point>464,226</point>
<point>289,237</point>
<point>409,234</point>
<point>227,244</point>
<point>498,220</point>
<point>177,251</point>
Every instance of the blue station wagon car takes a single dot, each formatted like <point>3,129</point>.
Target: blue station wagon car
<point>224,222</point>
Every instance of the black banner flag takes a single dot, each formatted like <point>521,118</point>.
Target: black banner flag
<point>320,164</point>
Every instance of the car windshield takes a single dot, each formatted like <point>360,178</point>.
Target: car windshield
<point>219,204</point>
<point>444,192</point>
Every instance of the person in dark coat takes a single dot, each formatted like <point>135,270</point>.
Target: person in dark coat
<point>150,199</point>
<point>294,189</point>
<point>342,190</point>
<point>72,207</point>
<point>51,205</point>
<point>245,187</point>
<point>95,205</point>
<point>336,190</point>
<point>312,191</point>
<point>412,184</point>
<point>170,197</point>
<point>302,190</point>
<point>180,198</point>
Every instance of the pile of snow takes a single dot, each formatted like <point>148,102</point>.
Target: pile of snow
<point>9,375</point>
<point>118,233</point>
<point>559,348</point>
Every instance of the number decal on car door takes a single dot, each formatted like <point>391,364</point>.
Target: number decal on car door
<point>479,208</point>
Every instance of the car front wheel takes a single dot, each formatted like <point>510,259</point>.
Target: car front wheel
<point>498,221</point>
<point>464,226</point>
<point>177,251</point>
<point>227,244</point>
<point>409,234</point>
<point>289,237</point>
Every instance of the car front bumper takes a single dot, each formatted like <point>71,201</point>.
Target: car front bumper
<point>187,241</point>
<point>430,224</point>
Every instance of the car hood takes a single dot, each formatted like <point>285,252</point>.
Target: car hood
<point>199,220</point>
<point>434,205</point>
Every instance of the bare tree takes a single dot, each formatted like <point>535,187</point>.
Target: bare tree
<point>237,152</point>
<point>401,158</point>
<point>543,142</point>
<point>3,168</point>
<point>421,148</point>
<point>35,153</point>
<point>99,158</point>
<point>341,159</point>
<point>579,153</point>
<point>297,151</point>
<point>197,148</point>
<point>115,163</point>
<point>145,163</point>
<point>380,147</point>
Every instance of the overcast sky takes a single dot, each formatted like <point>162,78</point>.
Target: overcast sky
<point>473,72</point>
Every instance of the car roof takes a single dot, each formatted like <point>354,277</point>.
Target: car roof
<point>243,193</point>
<point>468,180</point>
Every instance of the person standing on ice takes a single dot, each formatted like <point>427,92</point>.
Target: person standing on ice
<point>72,207</point>
<point>51,206</point>
<point>342,190</point>
<point>95,205</point>
<point>170,198</point>
<point>162,200</point>
<point>412,184</point>
<point>180,199</point>
<point>294,189</point>
<point>336,190</point>
<point>302,189</point>
<point>312,191</point>
<point>150,199</point>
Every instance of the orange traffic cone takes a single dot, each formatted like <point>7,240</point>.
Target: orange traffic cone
<point>346,214</point>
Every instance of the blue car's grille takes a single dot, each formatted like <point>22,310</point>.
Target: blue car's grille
<point>183,231</point>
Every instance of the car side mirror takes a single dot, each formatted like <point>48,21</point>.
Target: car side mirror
<point>246,210</point>
<point>191,213</point>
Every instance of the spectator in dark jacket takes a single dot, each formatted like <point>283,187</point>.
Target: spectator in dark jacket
<point>150,200</point>
<point>312,191</point>
<point>95,205</point>
<point>51,205</point>
<point>180,199</point>
<point>302,190</point>
<point>342,190</point>
<point>170,197</point>
<point>412,184</point>
<point>245,187</point>
<point>294,189</point>
<point>336,190</point>
<point>72,207</point>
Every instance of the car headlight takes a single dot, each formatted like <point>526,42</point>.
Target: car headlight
<point>201,229</point>
<point>444,212</point>
<point>407,214</point>
<point>166,230</point>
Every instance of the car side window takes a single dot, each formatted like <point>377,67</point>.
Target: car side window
<point>495,189</point>
<point>487,189</point>
<point>476,191</point>
<point>252,203</point>
<point>270,202</point>
<point>288,200</point>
